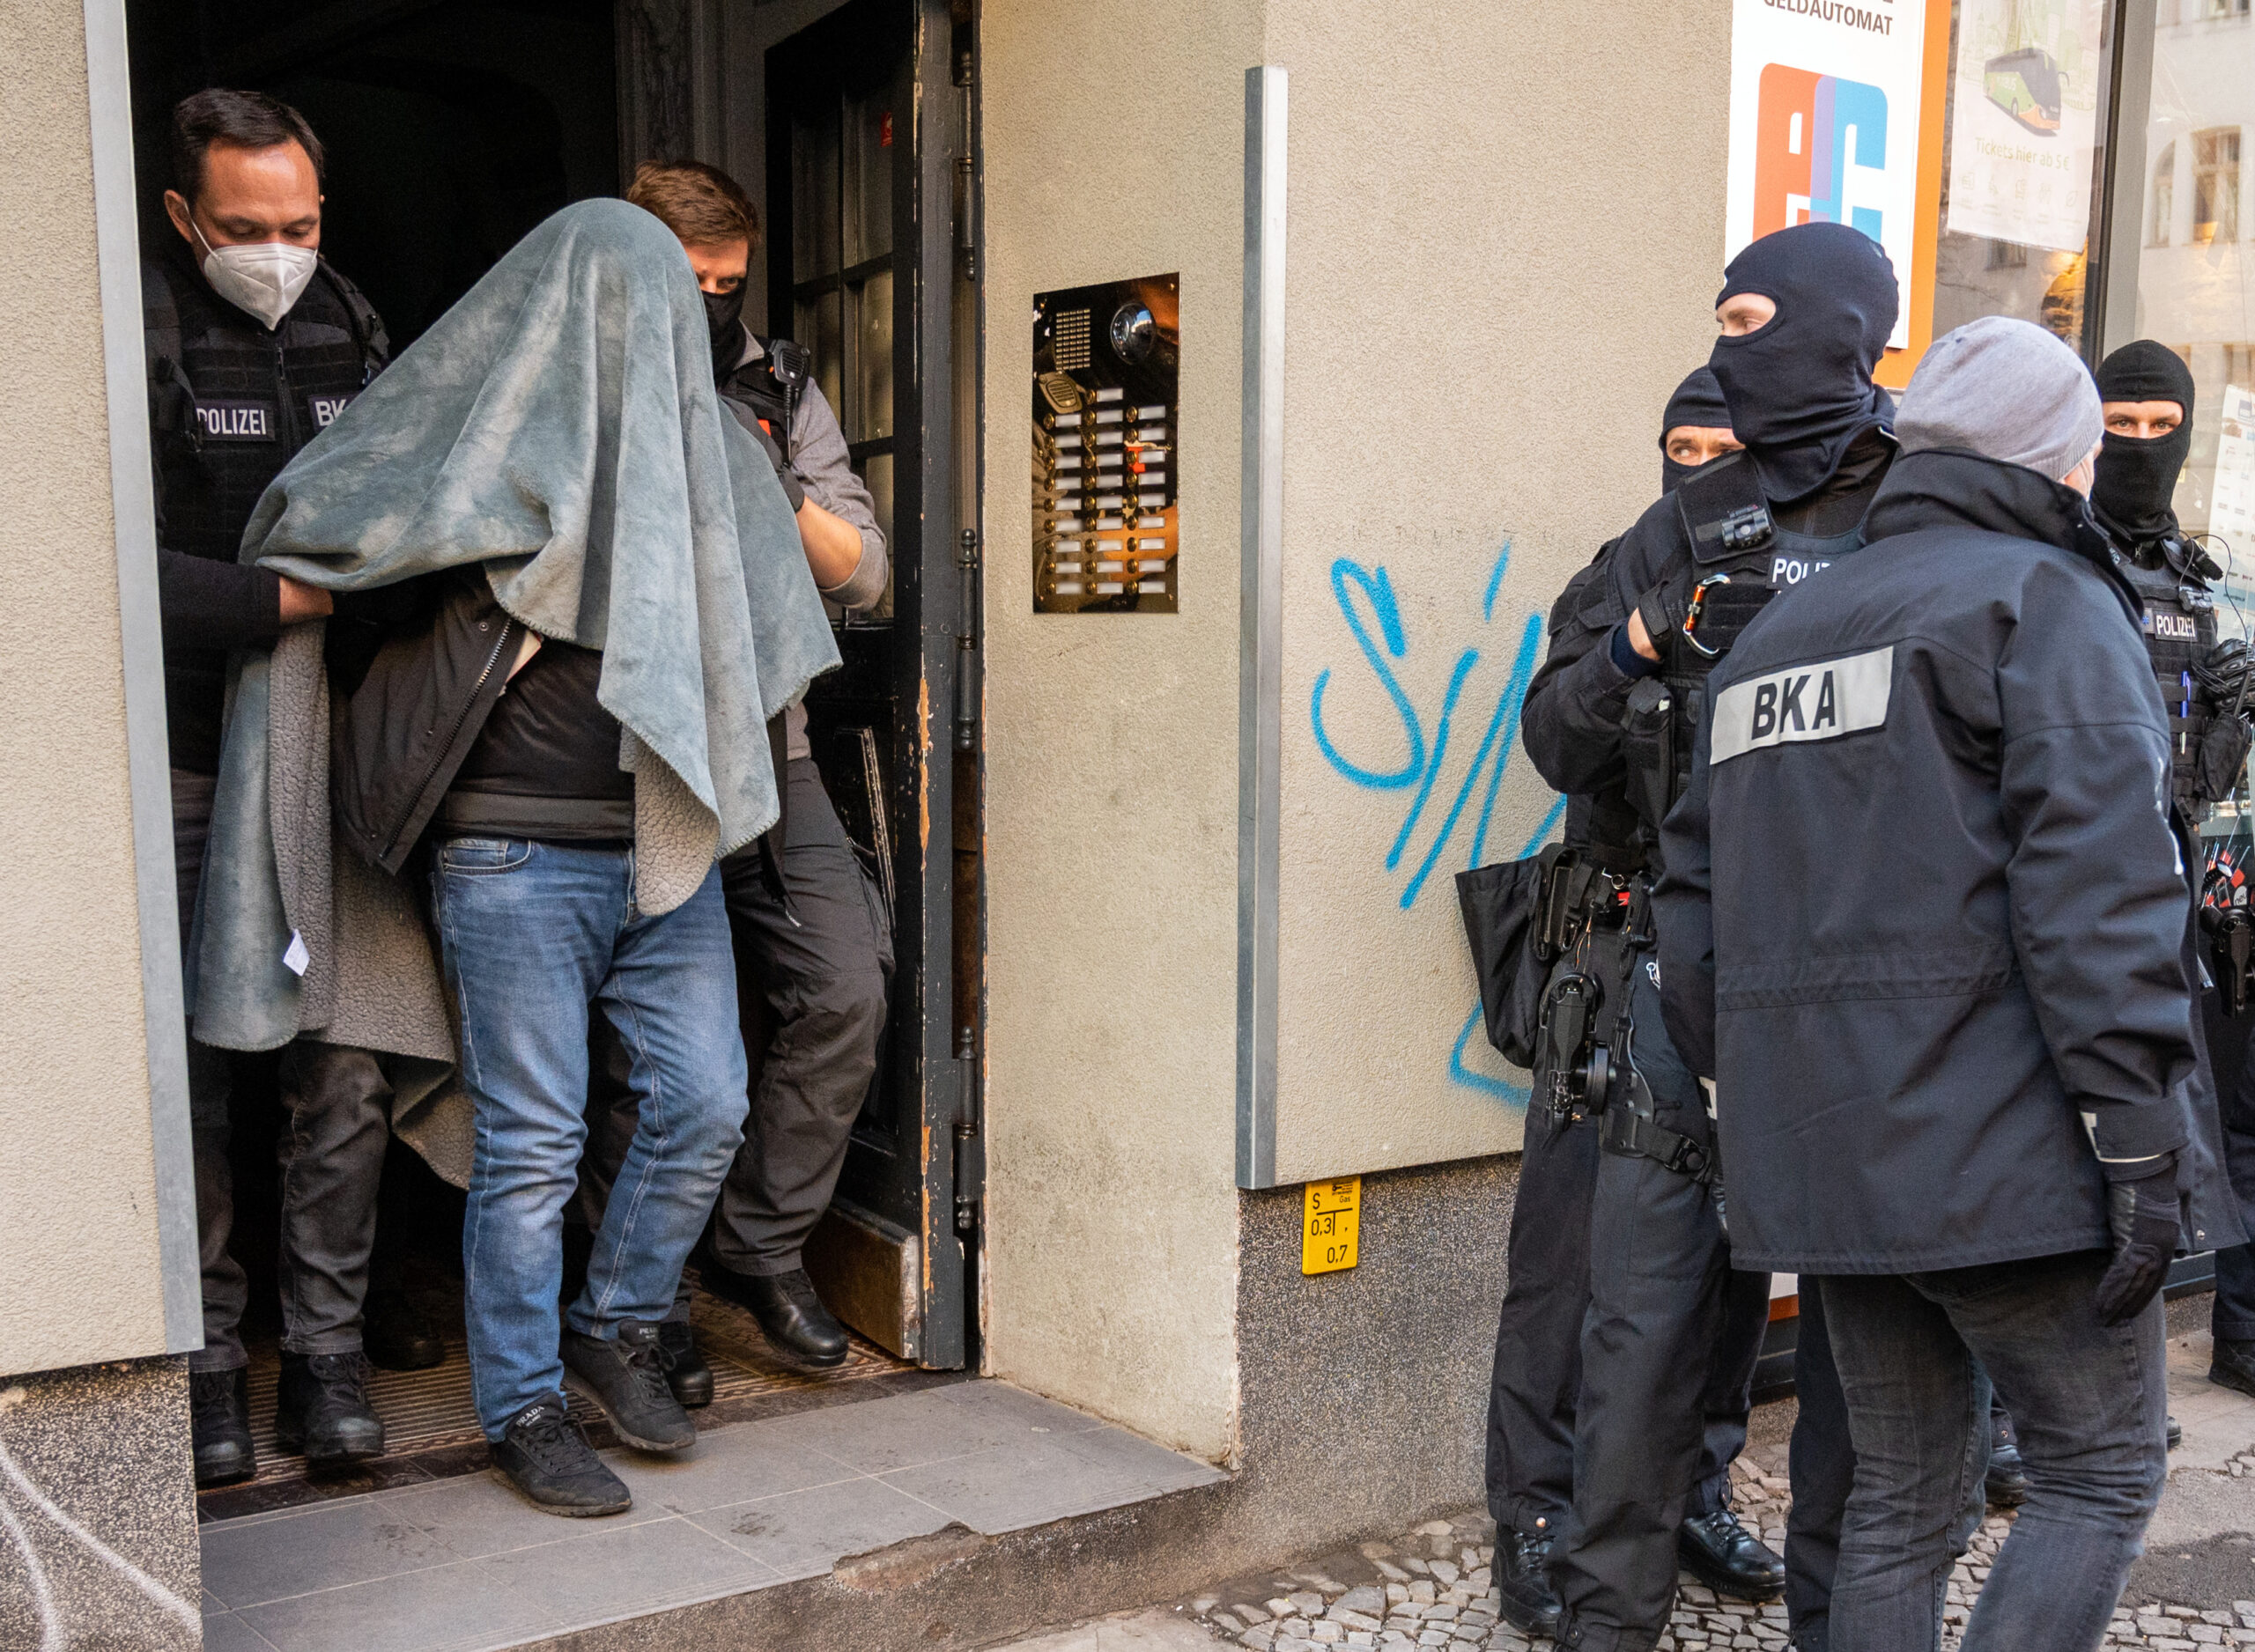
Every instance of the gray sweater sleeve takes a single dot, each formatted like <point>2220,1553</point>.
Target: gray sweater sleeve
<point>818,454</point>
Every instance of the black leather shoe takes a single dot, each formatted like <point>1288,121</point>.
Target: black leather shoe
<point>218,1423</point>
<point>624,1375</point>
<point>1523,1580</point>
<point>397,1335</point>
<point>798,1327</point>
<point>321,1410</point>
<point>1727,1558</point>
<point>546,1456</point>
<point>2233,1364</point>
<point>2174,1434</point>
<point>2007,1485</point>
<point>686,1372</point>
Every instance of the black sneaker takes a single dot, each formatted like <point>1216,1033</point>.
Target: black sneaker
<point>1523,1580</point>
<point>546,1456</point>
<point>624,1375</point>
<point>219,1422</point>
<point>686,1372</point>
<point>791,1317</point>
<point>2173,1433</point>
<point>321,1410</point>
<point>1727,1558</point>
<point>398,1336</point>
<point>2233,1363</point>
<point>2007,1485</point>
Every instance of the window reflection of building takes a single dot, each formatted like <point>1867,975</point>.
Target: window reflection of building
<point>2196,283</point>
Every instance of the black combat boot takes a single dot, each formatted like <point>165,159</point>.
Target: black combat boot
<point>398,1336</point>
<point>624,1375</point>
<point>218,1423</point>
<point>2007,1485</point>
<point>1727,1558</point>
<point>546,1456</point>
<point>2233,1364</point>
<point>2173,1432</point>
<point>798,1327</point>
<point>321,1410</point>
<point>686,1372</point>
<point>1523,1580</point>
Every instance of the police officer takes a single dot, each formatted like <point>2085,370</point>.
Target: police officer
<point>1951,1031</point>
<point>2147,395</point>
<point>813,949</point>
<point>1805,314</point>
<point>1537,1369</point>
<point>254,344</point>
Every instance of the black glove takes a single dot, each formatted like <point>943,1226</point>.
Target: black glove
<point>2143,1217</point>
<point>793,489</point>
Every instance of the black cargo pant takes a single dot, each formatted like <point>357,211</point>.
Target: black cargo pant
<point>336,1109</point>
<point>1661,1281</point>
<point>2232,1315</point>
<point>811,986</point>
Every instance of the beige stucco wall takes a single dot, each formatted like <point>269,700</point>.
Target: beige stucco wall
<point>79,1246</point>
<point>1114,146</point>
<point>1506,236</point>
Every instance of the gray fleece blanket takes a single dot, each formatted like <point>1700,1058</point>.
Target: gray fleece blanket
<point>559,427</point>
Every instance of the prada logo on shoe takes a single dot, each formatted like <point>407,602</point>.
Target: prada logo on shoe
<point>1821,701</point>
<point>236,421</point>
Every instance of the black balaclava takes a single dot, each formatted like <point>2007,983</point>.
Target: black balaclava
<point>2137,475</point>
<point>1698,402</point>
<point>722,312</point>
<point>1799,388</point>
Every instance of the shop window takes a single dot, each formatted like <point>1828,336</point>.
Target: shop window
<point>2215,185</point>
<point>2223,8</point>
<point>2164,196</point>
<point>2007,256</point>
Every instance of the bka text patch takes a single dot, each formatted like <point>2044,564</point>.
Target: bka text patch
<point>325,408</point>
<point>1821,701</point>
<point>236,421</point>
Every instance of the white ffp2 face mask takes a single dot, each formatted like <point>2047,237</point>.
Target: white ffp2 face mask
<point>263,277</point>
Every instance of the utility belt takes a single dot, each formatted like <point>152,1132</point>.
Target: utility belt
<point>1596,922</point>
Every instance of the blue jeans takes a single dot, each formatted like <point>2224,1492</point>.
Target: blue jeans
<point>2090,1405</point>
<point>534,936</point>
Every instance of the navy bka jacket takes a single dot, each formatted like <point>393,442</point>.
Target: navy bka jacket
<point>1925,919</point>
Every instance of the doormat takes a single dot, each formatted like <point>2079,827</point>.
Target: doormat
<point>431,1429</point>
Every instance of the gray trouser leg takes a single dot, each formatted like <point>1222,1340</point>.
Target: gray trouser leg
<point>813,992</point>
<point>338,1104</point>
<point>822,982</point>
<point>211,1087</point>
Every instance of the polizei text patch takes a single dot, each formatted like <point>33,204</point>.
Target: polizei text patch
<point>1820,701</point>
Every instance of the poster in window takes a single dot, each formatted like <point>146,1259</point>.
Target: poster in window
<point>2024,121</point>
<point>1825,102</point>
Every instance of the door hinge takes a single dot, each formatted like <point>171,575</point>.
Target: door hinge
<point>966,644</point>
<point>970,1144</point>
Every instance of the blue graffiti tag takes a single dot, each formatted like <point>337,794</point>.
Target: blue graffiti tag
<point>1420,767</point>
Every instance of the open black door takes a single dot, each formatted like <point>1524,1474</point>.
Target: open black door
<point>864,128</point>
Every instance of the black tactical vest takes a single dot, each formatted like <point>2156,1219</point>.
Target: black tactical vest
<point>769,385</point>
<point>1731,560</point>
<point>231,403</point>
<point>2180,630</point>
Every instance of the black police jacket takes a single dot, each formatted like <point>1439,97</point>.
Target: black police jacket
<point>230,403</point>
<point>1923,917</point>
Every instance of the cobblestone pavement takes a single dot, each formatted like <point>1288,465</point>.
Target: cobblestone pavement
<point>1431,1588</point>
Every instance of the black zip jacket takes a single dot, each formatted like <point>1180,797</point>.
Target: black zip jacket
<point>1924,915</point>
<point>417,681</point>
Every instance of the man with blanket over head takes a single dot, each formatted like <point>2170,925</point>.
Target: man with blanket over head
<point>600,603</point>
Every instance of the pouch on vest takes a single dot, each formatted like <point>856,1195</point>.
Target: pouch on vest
<point>1647,741</point>
<point>2223,755</point>
<point>1502,922</point>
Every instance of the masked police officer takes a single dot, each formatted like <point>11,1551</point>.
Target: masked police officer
<point>1537,1371</point>
<point>1805,314</point>
<point>254,345</point>
<point>2147,394</point>
<point>813,954</point>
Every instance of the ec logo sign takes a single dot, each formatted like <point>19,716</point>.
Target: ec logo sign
<point>1801,149</point>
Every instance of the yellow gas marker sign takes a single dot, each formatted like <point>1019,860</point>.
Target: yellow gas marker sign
<point>1331,1225</point>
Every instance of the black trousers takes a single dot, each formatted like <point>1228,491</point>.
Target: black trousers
<point>2232,1315</point>
<point>811,982</point>
<point>1537,1377</point>
<point>1661,1288</point>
